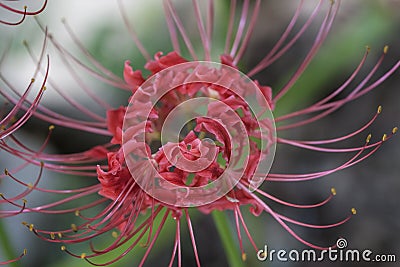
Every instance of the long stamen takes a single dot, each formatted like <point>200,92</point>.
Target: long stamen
<point>29,13</point>
<point>20,104</point>
<point>230,26</point>
<point>176,244</point>
<point>210,22</point>
<point>203,35</point>
<point>300,206</point>
<point>128,236</point>
<point>316,226</point>
<point>352,161</point>
<point>142,228</point>
<point>69,99</point>
<point>53,120</point>
<point>103,75</point>
<point>9,118</point>
<point>181,29</point>
<point>171,28</point>
<point>17,22</point>
<point>249,32</point>
<point>88,55</point>
<point>238,229</point>
<point>322,34</point>
<point>309,146</point>
<point>30,187</point>
<point>6,213</point>
<point>34,158</point>
<point>314,107</point>
<point>246,229</point>
<point>154,238</point>
<point>132,32</point>
<point>16,259</point>
<point>114,206</point>
<point>281,222</point>
<point>341,138</point>
<point>266,60</point>
<point>189,223</point>
<point>45,113</point>
<point>241,26</point>
<point>92,155</point>
<point>393,69</point>
<point>23,12</point>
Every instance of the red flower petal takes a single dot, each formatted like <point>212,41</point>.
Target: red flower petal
<point>163,62</point>
<point>133,78</point>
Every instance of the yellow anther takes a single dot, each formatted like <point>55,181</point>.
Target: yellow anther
<point>41,164</point>
<point>30,186</point>
<point>379,109</point>
<point>83,255</point>
<point>31,227</point>
<point>244,256</point>
<point>63,248</point>
<point>368,48</point>
<point>25,7</point>
<point>394,130</point>
<point>51,127</point>
<point>114,234</point>
<point>25,251</point>
<point>44,88</point>
<point>6,172</point>
<point>353,211</point>
<point>1,195</point>
<point>24,223</point>
<point>33,79</point>
<point>385,49</point>
<point>24,201</point>
<point>77,213</point>
<point>368,138</point>
<point>333,191</point>
<point>59,235</point>
<point>74,228</point>
<point>384,137</point>
<point>52,236</point>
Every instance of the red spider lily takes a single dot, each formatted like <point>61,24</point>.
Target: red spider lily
<point>22,13</point>
<point>125,204</point>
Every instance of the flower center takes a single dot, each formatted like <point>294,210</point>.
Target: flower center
<point>215,129</point>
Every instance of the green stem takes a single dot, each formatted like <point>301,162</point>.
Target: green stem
<point>232,251</point>
<point>5,243</point>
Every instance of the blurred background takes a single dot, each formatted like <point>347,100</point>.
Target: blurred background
<point>371,187</point>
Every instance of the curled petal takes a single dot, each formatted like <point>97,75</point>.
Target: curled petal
<point>161,62</point>
<point>133,78</point>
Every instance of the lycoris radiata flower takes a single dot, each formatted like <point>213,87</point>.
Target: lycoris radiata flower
<point>197,132</point>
